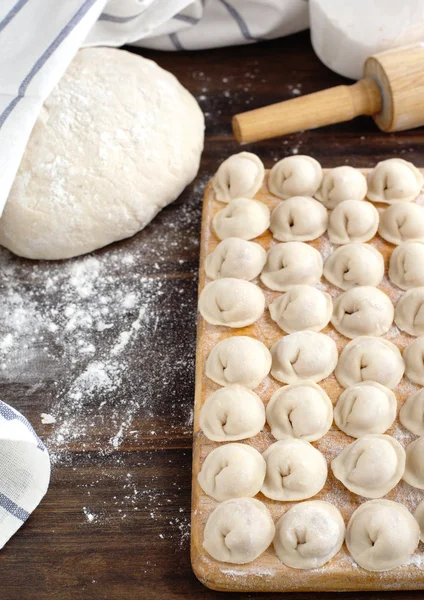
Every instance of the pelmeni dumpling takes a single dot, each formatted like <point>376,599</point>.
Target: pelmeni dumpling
<point>295,470</point>
<point>402,222</point>
<point>413,355</point>
<point>340,184</point>
<point>299,218</point>
<point>232,413</point>
<point>370,359</point>
<point>309,534</point>
<point>302,307</point>
<point>363,310</point>
<point>419,516</point>
<point>236,258</point>
<point>414,469</point>
<point>302,410</point>
<point>242,218</point>
<point>295,176</point>
<point>352,221</point>
<point>409,311</point>
<point>382,535</point>
<point>238,531</point>
<point>394,180</point>
<point>239,176</point>
<point>406,268</point>
<point>353,265</point>
<point>411,414</point>
<point>365,408</point>
<point>232,471</point>
<point>371,466</point>
<point>291,263</point>
<point>303,356</point>
<point>231,302</point>
<point>239,359</point>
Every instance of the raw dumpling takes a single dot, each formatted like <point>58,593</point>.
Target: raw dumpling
<point>371,466</point>
<point>290,264</point>
<point>419,516</point>
<point>411,414</point>
<point>353,265</point>
<point>238,531</point>
<point>413,355</point>
<point>394,180</point>
<point>302,307</point>
<point>414,469</point>
<point>363,310</point>
<point>402,222</point>
<point>370,359</point>
<point>240,176</point>
<point>409,311</point>
<point>302,410</point>
<point>299,218</point>
<point>232,413</point>
<point>231,302</point>
<point>365,408</point>
<point>295,470</point>
<point>242,218</point>
<point>239,359</point>
<point>382,535</point>
<point>303,356</point>
<point>309,534</point>
<point>352,221</point>
<point>295,176</point>
<point>340,184</point>
<point>232,471</point>
<point>236,258</point>
<point>406,269</point>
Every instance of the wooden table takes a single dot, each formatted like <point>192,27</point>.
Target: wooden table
<point>115,522</point>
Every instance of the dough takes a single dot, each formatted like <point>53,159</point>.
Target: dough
<point>231,302</point>
<point>117,140</point>
<point>364,408</point>
<point>419,516</point>
<point>236,258</point>
<point>413,355</point>
<point>242,218</point>
<point>239,176</point>
<point>394,180</point>
<point>239,359</point>
<point>232,471</point>
<point>291,263</point>
<point>406,269</point>
<point>232,413</point>
<point>302,410</point>
<point>371,466</point>
<point>299,218</point>
<point>382,535</point>
<point>302,307</point>
<point>352,221</point>
<point>370,359</point>
<point>409,312</point>
<point>295,470</point>
<point>411,414</point>
<point>238,531</point>
<point>414,469</point>
<point>295,176</point>
<point>402,222</point>
<point>363,310</point>
<point>340,184</point>
<point>309,534</point>
<point>354,264</point>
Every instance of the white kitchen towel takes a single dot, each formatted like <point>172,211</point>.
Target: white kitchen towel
<point>24,471</point>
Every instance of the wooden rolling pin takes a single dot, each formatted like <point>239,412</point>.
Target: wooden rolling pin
<point>392,92</point>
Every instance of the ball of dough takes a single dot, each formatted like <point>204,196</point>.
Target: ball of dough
<point>413,355</point>
<point>231,302</point>
<point>295,470</point>
<point>402,222</point>
<point>411,414</point>
<point>291,263</point>
<point>365,408</point>
<point>409,311</point>
<point>117,140</point>
<point>239,176</point>
<point>371,466</point>
<point>232,413</point>
<point>382,535</point>
<point>295,176</point>
<point>239,359</point>
<point>232,471</point>
<point>238,531</point>
<point>340,184</point>
<point>394,180</point>
<point>419,516</point>
<point>309,534</point>
<point>236,258</point>
<point>414,469</point>
<point>302,410</point>
<point>353,265</point>
<point>352,221</point>
<point>370,359</point>
<point>242,218</point>
<point>406,268</point>
<point>298,219</point>
<point>302,307</point>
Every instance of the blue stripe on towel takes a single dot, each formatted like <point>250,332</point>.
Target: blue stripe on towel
<point>176,42</point>
<point>12,13</point>
<point>240,22</point>
<point>115,19</point>
<point>13,508</point>
<point>10,415</point>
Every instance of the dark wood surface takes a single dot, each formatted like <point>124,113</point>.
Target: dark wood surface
<point>137,543</point>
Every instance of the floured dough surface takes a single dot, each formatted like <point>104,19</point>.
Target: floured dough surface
<point>234,257</point>
<point>302,307</point>
<point>352,221</point>
<point>353,265</point>
<point>401,222</point>
<point>291,263</point>
<point>411,414</point>
<point>239,176</point>
<point>242,218</point>
<point>300,218</point>
<point>340,184</point>
<point>414,469</point>
<point>231,302</point>
<point>295,176</point>
<point>409,311</point>
<point>363,310</point>
<point>394,180</point>
<point>406,269</point>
